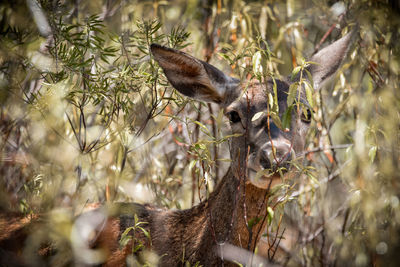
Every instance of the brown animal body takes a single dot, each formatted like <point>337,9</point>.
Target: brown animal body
<point>235,213</point>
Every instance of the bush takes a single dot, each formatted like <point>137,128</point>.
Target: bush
<point>88,116</point>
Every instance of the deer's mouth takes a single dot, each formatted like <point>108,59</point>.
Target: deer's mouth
<point>265,170</point>
<point>264,178</point>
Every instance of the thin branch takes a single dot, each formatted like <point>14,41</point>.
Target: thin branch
<point>324,148</point>
<point>328,32</point>
<point>327,179</point>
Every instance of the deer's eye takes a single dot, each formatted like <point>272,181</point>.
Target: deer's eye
<point>306,115</point>
<point>233,117</point>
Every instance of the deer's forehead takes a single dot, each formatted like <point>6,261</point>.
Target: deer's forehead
<point>255,96</point>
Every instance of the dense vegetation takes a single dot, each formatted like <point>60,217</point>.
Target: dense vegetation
<point>88,116</point>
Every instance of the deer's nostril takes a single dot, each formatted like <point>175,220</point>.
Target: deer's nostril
<point>265,163</point>
<point>285,156</point>
<point>282,154</point>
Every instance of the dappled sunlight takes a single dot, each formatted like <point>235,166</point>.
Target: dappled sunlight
<point>90,118</point>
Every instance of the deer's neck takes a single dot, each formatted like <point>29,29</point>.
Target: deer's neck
<point>234,208</point>
<point>197,233</point>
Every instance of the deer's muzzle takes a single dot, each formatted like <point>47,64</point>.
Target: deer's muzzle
<point>263,164</point>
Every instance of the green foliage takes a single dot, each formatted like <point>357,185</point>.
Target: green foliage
<point>128,236</point>
<point>88,116</point>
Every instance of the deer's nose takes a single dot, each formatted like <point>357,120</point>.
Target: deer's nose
<point>275,153</point>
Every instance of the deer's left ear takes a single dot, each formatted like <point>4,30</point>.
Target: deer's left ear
<point>329,60</point>
<point>195,78</point>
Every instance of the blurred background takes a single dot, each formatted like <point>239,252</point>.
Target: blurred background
<point>87,115</point>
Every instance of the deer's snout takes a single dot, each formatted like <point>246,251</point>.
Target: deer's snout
<point>275,154</point>
<point>263,163</point>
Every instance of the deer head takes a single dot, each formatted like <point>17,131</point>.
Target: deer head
<point>261,144</point>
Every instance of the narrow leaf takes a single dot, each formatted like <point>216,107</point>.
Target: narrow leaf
<point>292,94</point>
<point>257,115</point>
<point>295,71</point>
<point>287,118</point>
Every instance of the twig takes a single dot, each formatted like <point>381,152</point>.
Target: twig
<point>324,148</point>
<point>340,17</point>
<point>327,179</point>
<point>320,229</point>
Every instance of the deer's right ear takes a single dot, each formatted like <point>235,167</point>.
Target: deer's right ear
<point>195,78</point>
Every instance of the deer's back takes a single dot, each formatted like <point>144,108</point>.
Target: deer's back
<point>100,227</point>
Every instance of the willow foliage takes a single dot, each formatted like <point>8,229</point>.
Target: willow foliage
<point>87,115</point>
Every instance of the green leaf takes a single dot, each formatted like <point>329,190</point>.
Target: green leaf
<point>271,101</point>
<point>287,118</point>
<point>257,66</point>
<point>138,247</point>
<point>145,232</point>
<point>192,164</point>
<point>309,76</point>
<point>309,93</point>
<point>203,127</point>
<point>275,106</point>
<point>276,120</point>
<point>257,115</point>
<point>372,153</point>
<point>292,93</point>
<point>295,71</point>
<point>125,237</point>
<point>312,178</point>
<point>200,146</point>
<point>270,213</point>
<point>253,221</point>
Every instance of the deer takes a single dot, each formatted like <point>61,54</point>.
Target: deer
<point>199,235</point>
